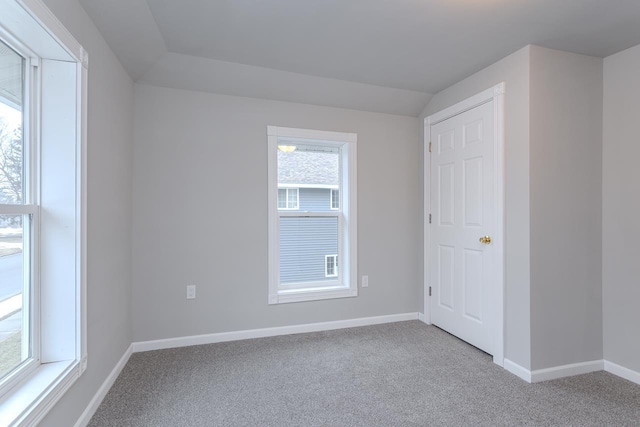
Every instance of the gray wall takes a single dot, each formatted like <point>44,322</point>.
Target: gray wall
<point>621,204</point>
<point>188,228</point>
<point>110,133</point>
<point>566,208</point>
<point>514,70</point>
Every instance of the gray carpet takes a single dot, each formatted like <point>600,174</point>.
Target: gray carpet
<point>400,374</point>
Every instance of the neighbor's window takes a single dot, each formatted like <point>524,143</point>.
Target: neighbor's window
<point>306,238</point>
<point>335,199</point>
<point>331,265</point>
<point>43,74</point>
<point>287,198</point>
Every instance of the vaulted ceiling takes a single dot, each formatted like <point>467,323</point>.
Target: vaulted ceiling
<point>376,55</point>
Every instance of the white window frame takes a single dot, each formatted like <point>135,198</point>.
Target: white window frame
<point>335,265</point>
<point>346,283</point>
<point>55,131</point>
<point>287,191</point>
<point>331,191</point>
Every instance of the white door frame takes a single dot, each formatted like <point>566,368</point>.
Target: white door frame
<point>495,94</point>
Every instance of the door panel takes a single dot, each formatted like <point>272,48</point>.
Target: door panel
<point>462,197</point>
<point>446,181</point>
<point>446,264</point>
<point>473,186</point>
<point>473,284</point>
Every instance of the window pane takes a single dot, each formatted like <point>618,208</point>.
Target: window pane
<point>14,343</point>
<point>335,199</point>
<point>293,198</point>
<point>282,198</point>
<point>11,124</point>
<point>304,244</point>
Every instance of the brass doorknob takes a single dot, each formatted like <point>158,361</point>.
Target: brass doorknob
<point>485,239</point>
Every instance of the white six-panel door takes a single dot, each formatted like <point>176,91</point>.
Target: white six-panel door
<point>462,268</point>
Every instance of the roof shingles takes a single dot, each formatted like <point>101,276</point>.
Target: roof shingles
<point>308,168</point>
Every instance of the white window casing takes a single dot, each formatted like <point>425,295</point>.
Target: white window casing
<point>344,283</point>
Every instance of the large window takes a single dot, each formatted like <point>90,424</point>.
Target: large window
<point>42,247</point>
<point>306,241</point>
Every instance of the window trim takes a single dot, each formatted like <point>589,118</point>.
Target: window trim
<point>347,285</point>
<point>335,265</point>
<point>31,26</point>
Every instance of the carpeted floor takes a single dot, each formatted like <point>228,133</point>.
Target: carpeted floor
<point>399,374</point>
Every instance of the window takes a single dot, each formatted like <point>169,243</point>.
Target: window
<point>335,199</point>
<point>288,198</point>
<point>331,265</point>
<point>302,230</point>
<point>18,219</point>
<point>42,119</point>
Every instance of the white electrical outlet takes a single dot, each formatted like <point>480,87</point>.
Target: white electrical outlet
<point>365,281</point>
<point>191,292</point>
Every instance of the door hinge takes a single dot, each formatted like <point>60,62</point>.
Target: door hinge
<point>429,290</point>
<point>429,146</point>
<point>429,218</point>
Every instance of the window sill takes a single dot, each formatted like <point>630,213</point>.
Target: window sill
<point>311,294</point>
<point>29,401</point>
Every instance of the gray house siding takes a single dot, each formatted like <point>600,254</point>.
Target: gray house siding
<point>304,242</point>
<point>314,199</point>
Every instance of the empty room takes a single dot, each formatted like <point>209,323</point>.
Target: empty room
<point>319,213</point>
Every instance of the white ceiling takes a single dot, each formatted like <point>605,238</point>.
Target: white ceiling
<point>377,55</point>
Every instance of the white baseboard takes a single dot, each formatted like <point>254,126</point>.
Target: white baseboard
<point>268,332</point>
<point>104,389</point>
<point>570,370</point>
<point>622,372</point>
<point>556,372</point>
<point>517,370</point>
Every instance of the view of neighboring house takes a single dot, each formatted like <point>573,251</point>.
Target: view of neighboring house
<point>309,207</point>
<point>12,260</point>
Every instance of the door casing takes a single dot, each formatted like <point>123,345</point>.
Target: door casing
<point>496,95</point>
